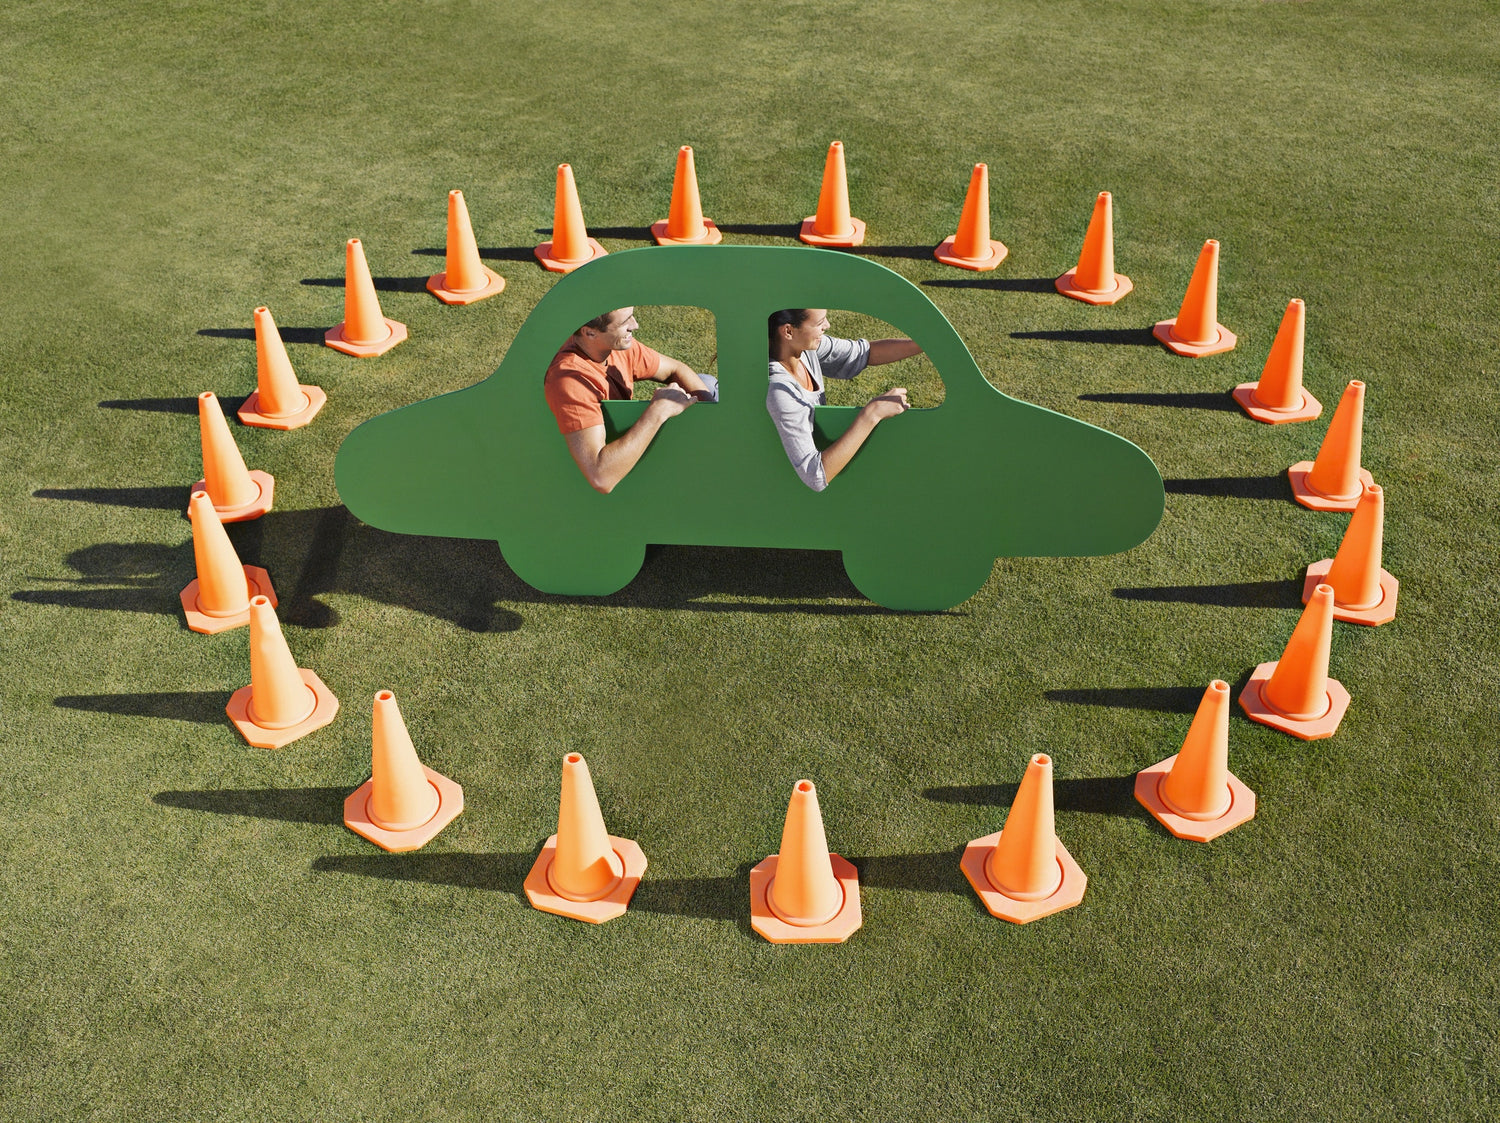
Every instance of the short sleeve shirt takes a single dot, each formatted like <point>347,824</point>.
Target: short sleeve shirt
<point>576,384</point>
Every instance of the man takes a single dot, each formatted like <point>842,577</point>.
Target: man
<point>603,361</point>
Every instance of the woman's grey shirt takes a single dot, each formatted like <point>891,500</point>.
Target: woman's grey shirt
<point>791,407</point>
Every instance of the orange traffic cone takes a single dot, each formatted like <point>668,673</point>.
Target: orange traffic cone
<point>1294,694</point>
<point>1023,872</point>
<point>971,247</point>
<point>802,894</point>
<point>403,804</point>
<point>571,245</point>
<point>1335,481</point>
<point>218,599</point>
<point>1279,397</point>
<point>583,872</point>
<point>278,401</point>
<point>1196,331</point>
<point>465,279</point>
<point>1363,593</point>
<point>283,701</point>
<point>365,331</point>
<point>685,224</point>
<point>237,494</point>
<point>833,225</point>
<point>1094,280</point>
<point>1192,793</point>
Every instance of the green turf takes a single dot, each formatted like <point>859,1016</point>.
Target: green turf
<point>188,932</point>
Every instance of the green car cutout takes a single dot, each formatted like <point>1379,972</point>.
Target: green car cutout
<point>920,514</point>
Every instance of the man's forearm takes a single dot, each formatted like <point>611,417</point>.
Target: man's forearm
<point>617,458</point>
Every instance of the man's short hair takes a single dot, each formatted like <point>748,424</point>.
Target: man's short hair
<point>600,322</point>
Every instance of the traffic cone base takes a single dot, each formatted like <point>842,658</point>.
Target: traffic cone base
<point>778,930</point>
<point>1223,341</point>
<point>257,507</point>
<point>437,284</point>
<point>1257,708</point>
<point>1304,493</point>
<point>1148,794</point>
<point>313,399</point>
<point>1068,893</point>
<point>1244,394</point>
<point>557,265</point>
<point>1382,611</point>
<point>199,621</point>
<point>855,236</point>
<point>712,235</point>
<point>334,337</point>
<point>945,254</point>
<point>613,903</point>
<point>357,815</point>
<point>1067,284</point>
<point>325,708</point>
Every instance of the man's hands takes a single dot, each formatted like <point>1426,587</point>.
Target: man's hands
<point>671,400</point>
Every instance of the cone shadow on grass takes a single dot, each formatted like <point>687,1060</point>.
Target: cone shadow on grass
<point>188,405</point>
<point>382,284</point>
<point>311,336</point>
<point>493,253</point>
<point>203,706</point>
<point>141,498</point>
<point>700,898</point>
<point>1243,594</point>
<point>1232,487</point>
<point>1161,699</point>
<point>1130,337</point>
<point>996,284</point>
<point>1219,403</point>
<point>287,805</point>
<point>1093,795</point>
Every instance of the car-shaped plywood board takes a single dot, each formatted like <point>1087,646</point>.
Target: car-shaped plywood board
<point>920,514</point>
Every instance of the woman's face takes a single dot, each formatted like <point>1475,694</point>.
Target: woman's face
<point>809,334</point>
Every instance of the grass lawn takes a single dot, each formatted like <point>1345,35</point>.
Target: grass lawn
<point>188,932</point>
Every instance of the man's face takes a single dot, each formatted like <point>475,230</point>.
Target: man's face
<point>807,336</point>
<point>617,333</point>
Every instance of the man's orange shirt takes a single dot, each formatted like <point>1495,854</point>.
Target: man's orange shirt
<point>576,384</point>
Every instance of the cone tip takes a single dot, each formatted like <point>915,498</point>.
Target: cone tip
<point>573,758</point>
<point>1219,686</point>
<point>384,696</point>
<point>1105,196</point>
<point>804,786</point>
<point>352,242</point>
<point>1212,243</point>
<point>837,144</point>
<point>981,167</point>
<point>1323,593</point>
<point>687,149</point>
<point>198,494</point>
<point>260,600</point>
<point>1042,759</point>
<point>1296,301</point>
<point>455,194</point>
<point>564,167</point>
<point>206,396</point>
<point>1374,490</point>
<point>261,310</point>
<point>1356,384</point>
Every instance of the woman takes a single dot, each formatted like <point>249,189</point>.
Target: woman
<point>801,358</point>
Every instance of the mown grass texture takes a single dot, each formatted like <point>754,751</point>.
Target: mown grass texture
<point>190,933</point>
